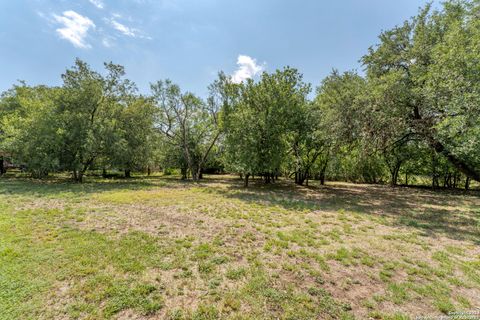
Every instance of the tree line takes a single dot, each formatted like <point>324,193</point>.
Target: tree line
<point>413,112</point>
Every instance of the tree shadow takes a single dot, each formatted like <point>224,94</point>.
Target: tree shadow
<point>61,185</point>
<point>454,214</point>
<point>451,213</point>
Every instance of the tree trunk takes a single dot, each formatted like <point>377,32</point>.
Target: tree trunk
<point>128,173</point>
<point>149,172</point>
<point>300,178</point>
<point>194,175</point>
<point>394,174</point>
<point>184,173</point>
<point>267,178</point>
<point>82,171</point>
<point>245,181</point>
<point>322,173</point>
<point>397,171</point>
<point>467,183</point>
<point>462,166</point>
<point>434,172</point>
<point>199,173</point>
<point>104,173</point>
<point>2,166</point>
<point>77,176</point>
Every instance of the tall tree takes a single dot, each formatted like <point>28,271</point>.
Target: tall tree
<point>426,84</point>
<point>259,119</point>
<point>187,123</point>
<point>340,119</point>
<point>133,144</point>
<point>89,108</point>
<point>28,125</point>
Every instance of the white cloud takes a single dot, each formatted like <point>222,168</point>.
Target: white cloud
<point>107,42</point>
<point>42,15</point>
<point>123,28</point>
<point>247,68</point>
<point>75,28</point>
<point>97,3</point>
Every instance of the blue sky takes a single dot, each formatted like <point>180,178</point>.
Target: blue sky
<point>190,41</point>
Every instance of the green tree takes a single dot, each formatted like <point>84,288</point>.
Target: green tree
<point>88,109</point>
<point>28,123</point>
<point>258,120</point>
<point>309,144</point>
<point>424,83</point>
<point>134,142</point>
<point>188,125</point>
<point>341,120</point>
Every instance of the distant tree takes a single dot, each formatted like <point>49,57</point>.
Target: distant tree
<point>28,126</point>
<point>341,121</point>
<point>134,144</point>
<point>187,123</point>
<point>309,144</point>
<point>88,109</point>
<point>259,119</point>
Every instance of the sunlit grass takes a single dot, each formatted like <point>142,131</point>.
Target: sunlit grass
<point>209,250</point>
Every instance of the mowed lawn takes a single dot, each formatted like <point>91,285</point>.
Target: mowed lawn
<point>160,248</point>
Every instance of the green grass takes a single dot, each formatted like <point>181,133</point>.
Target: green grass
<point>213,250</point>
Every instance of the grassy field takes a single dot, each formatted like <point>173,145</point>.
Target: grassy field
<point>160,248</point>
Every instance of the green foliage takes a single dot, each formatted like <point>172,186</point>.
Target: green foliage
<point>423,84</point>
<point>414,116</point>
<point>29,126</point>
<point>134,145</point>
<point>259,120</point>
<point>90,120</point>
<point>89,108</point>
<point>189,127</point>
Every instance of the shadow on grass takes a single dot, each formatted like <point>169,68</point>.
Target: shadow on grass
<point>454,214</point>
<point>53,186</point>
<point>451,213</point>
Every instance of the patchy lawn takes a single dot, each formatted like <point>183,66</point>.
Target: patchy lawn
<point>159,248</point>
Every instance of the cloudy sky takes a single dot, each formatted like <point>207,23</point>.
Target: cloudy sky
<point>190,41</point>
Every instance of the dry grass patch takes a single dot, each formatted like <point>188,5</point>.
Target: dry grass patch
<point>160,248</point>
